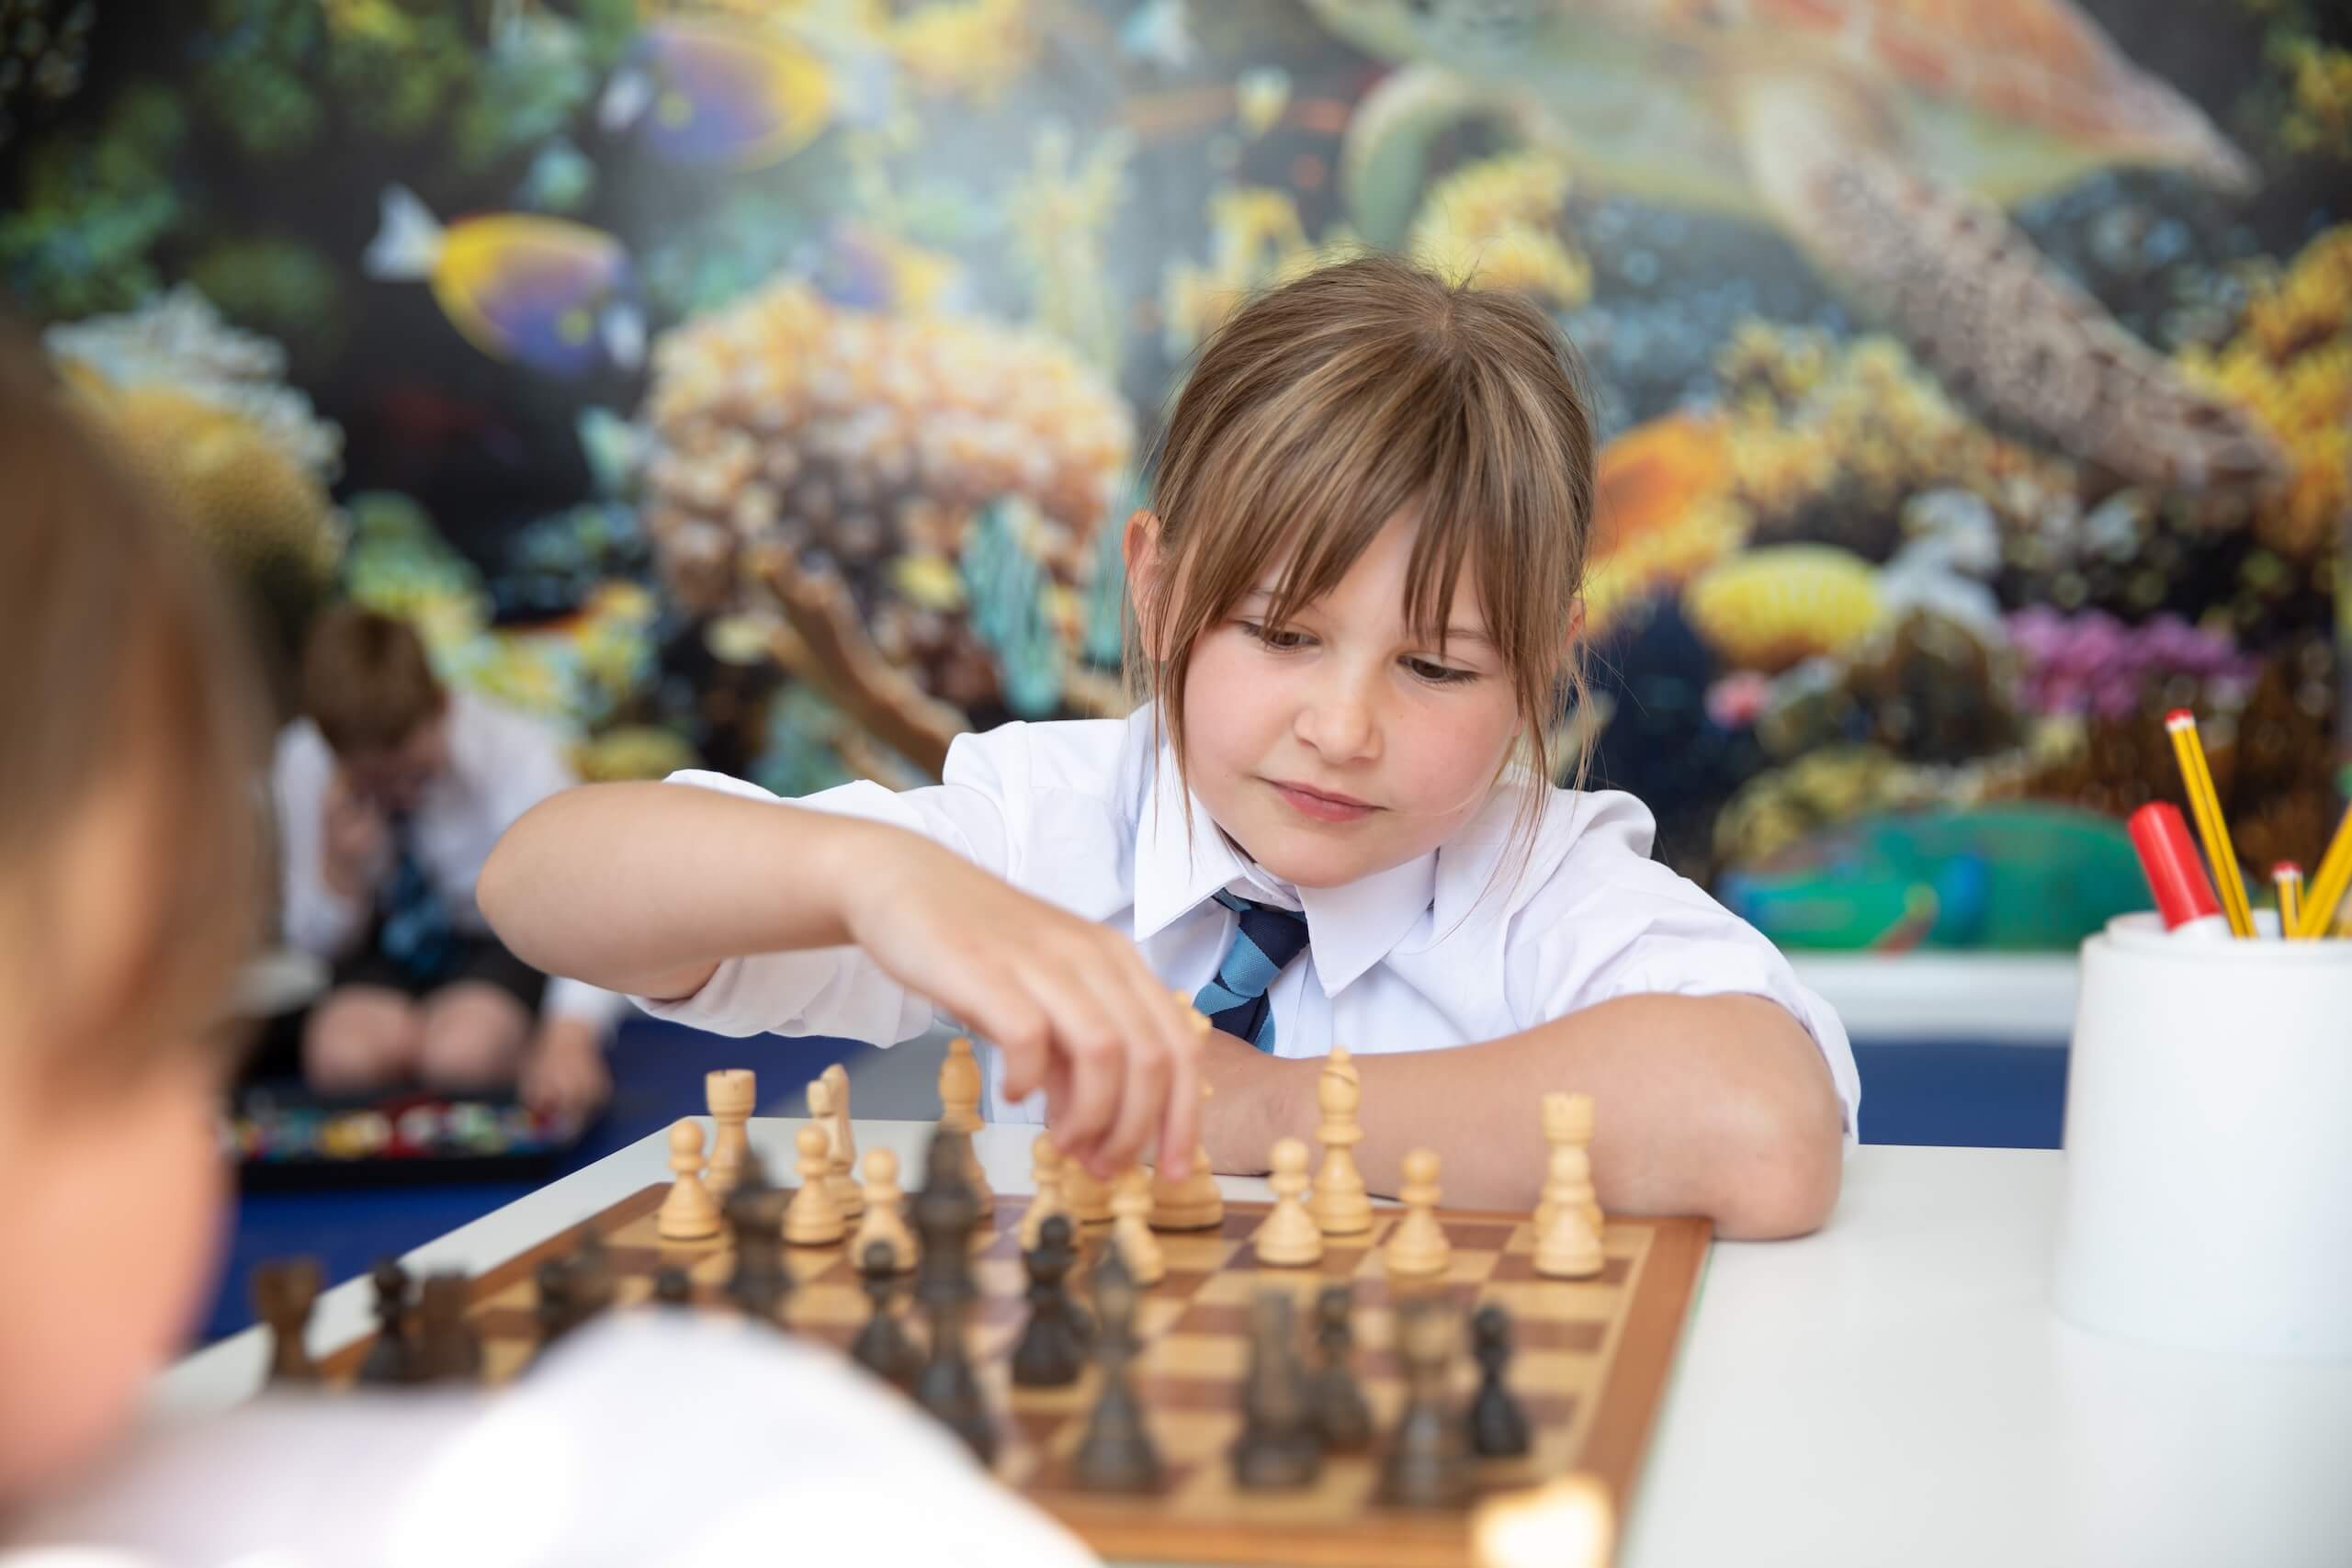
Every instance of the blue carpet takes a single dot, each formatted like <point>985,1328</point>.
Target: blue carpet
<point>657,1078</point>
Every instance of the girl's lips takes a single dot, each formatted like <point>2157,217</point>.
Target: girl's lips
<point>1322,808</point>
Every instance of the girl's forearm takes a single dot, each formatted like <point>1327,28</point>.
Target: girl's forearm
<point>1719,1106</point>
<point>647,887</point>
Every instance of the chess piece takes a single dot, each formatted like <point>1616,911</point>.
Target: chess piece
<point>689,1213</point>
<point>824,1111</point>
<point>1045,1175</point>
<point>946,1214</point>
<point>1116,1452</point>
<point>448,1349</point>
<point>589,1275</point>
<point>1085,1194</point>
<point>1341,1204</point>
<point>672,1286</point>
<point>1193,1203</point>
<point>1052,1349</point>
<point>1568,1246</point>
<point>730,1093</point>
<point>284,1292</point>
<point>811,1219</point>
<point>1131,1225</point>
<point>886,1217</point>
<point>959,1100</point>
<point>1496,1426</point>
<point>882,1347</point>
<point>1334,1397</point>
<point>554,1312</point>
<point>391,1358</point>
<point>1289,1238</point>
<point>1568,1119</point>
<point>1278,1448</point>
<point>1417,1248</point>
<point>1427,1465</point>
<point>1567,1522</point>
<point>760,1283</point>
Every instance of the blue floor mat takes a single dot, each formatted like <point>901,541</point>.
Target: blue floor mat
<point>657,1078</point>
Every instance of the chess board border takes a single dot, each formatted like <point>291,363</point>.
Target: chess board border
<point>1663,1290</point>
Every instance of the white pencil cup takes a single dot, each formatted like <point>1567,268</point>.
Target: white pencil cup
<point>2209,1144</point>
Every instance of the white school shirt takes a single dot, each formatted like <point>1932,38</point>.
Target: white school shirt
<point>501,764</point>
<point>1090,816</point>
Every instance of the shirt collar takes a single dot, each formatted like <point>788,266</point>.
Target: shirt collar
<point>1349,929</point>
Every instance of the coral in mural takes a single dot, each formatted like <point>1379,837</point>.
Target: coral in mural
<point>1495,224</point>
<point>1060,216</point>
<point>44,47</point>
<point>838,465</point>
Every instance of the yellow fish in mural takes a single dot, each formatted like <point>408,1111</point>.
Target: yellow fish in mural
<point>705,91</point>
<point>555,294</point>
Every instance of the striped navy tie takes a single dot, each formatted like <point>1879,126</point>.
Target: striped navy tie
<point>1263,944</point>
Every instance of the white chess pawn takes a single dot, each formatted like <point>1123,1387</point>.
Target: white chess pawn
<point>1341,1204</point>
<point>959,1103</point>
<point>1087,1195</point>
<point>813,1219</point>
<point>689,1213</point>
<point>1045,1172</point>
<point>823,1111</point>
<point>1193,1203</point>
<point>730,1093</point>
<point>886,1218</point>
<point>1290,1237</point>
<point>1131,1225</point>
<point>1417,1246</point>
<point>1568,1246</point>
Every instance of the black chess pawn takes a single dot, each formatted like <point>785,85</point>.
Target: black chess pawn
<point>1497,1425</point>
<point>760,1283</point>
<point>1052,1349</point>
<point>284,1292</point>
<point>673,1287</point>
<point>589,1275</point>
<point>946,1212</point>
<point>1428,1464</point>
<point>1116,1453</point>
<point>391,1358</point>
<point>555,1313</point>
<point>1279,1447</point>
<point>882,1347</point>
<point>1333,1396</point>
<point>446,1346</point>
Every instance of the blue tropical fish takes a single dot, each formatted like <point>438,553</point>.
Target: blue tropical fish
<point>547,292</point>
<point>707,93</point>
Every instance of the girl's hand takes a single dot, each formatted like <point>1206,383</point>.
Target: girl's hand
<point>354,840</point>
<point>1069,1003</point>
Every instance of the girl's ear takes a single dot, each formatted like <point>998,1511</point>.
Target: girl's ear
<point>1140,545</point>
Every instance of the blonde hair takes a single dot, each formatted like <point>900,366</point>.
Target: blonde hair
<point>1321,409</point>
<point>128,662</point>
<point>367,682</point>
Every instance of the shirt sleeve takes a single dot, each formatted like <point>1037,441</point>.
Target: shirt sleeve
<point>316,919</point>
<point>1613,923</point>
<point>838,990</point>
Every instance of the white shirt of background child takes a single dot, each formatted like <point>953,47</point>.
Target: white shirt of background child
<point>501,764</point>
<point>1090,815</point>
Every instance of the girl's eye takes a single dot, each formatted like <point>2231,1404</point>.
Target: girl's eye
<point>1440,674</point>
<point>1274,637</point>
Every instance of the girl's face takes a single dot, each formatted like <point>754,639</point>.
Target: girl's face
<point>1342,745</point>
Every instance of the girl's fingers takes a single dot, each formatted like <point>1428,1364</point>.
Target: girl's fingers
<point>1088,1040</point>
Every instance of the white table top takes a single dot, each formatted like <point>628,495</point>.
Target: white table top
<point>1893,1390</point>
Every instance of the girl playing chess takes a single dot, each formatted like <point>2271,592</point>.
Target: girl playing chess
<point>1330,821</point>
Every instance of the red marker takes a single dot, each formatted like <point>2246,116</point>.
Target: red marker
<point>2168,859</point>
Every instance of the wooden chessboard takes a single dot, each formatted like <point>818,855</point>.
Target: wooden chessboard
<point>1590,1366</point>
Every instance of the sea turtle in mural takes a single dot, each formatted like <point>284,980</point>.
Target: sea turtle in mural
<point>1881,136</point>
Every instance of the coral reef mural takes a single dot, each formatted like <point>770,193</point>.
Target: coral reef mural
<point>761,383</point>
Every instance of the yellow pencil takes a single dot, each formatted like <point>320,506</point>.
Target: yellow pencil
<point>2334,875</point>
<point>2197,780</point>
<point>2288,879</point>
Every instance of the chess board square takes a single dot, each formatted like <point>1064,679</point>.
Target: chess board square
<point>1520,1265</point>
<point>1468,1237</point>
